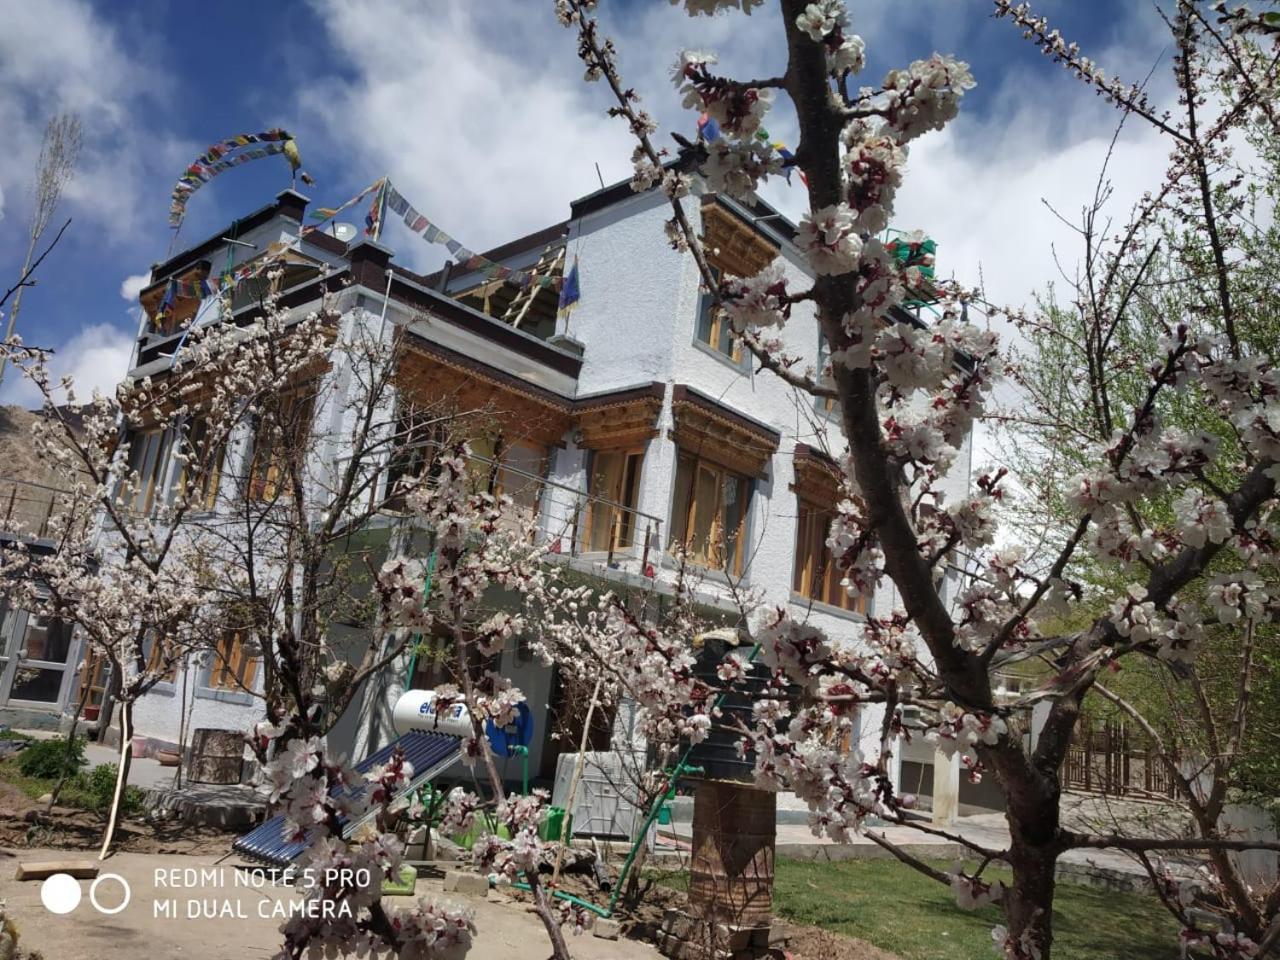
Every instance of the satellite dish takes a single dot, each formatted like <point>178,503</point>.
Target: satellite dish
<point>345,232</point>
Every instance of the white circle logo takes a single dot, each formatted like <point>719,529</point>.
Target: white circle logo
<point>93,893</point>
<point>60,893</point>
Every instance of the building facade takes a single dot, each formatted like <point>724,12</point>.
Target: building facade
<point>635,426</point>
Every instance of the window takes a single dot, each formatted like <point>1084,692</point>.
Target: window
<point>202,469</point>
<point>613,490</point>
<point>415,446</point>
<point>494,466</point>
<point>714,328</point>
<point>482,464</point>
<point>234,668</point>
<point>817,576</point>
<point>279,444</point>
<point>520,476</point>
<point>148,459</point>
<point>709,513</point>
<point>500,467</point>
<point>162,649</point>
<point>43,656</point>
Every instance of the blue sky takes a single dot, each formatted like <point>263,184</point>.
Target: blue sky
<point>478,113</point>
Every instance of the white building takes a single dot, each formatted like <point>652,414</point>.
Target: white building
<point>638,415</point>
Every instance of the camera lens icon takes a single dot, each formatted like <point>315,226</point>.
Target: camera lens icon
<point>60,893</point>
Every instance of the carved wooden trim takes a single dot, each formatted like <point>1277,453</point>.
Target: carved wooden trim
<point>731,244</point>
<point>817,476</point>
<point>625,418</point>
<point>431,376</point>
<point>717,433</point>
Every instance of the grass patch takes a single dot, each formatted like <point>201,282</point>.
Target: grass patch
<point>897,909</point>
<point>88,791</point>
<point>892,906</point>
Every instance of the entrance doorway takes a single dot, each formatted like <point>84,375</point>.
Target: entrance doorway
<point>36,663</point>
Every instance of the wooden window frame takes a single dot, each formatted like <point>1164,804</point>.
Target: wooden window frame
<point>815,575</point>
<point>155,656</point>
<point>718,329</point>
<point>266,480</point>
<point>207,475</point>
<point>233,668</point>
<point>684,534</point>
<point>150,467</point>
<point>621,521</point>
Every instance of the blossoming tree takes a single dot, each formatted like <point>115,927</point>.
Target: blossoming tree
<point>909,395</point>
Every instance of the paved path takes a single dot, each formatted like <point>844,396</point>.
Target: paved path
<point>142,932</point>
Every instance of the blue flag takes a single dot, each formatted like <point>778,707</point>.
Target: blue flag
<point>569,293</point>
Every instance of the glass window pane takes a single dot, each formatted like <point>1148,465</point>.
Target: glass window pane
<point>606,483</point>
<point>734,514</point>
<point>705,536</point>
<point>48,640</point>
<point>726,344</point>
<point>628,497</point>
<point>706,317</point>
<point>682,500</point>
<point>40,684</point>
<point>525,486</point>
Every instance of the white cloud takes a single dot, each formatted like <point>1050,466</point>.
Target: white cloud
<point>133,285</point>
<point>97,357</point>
<point>62,56</point>
<point>491,133</point>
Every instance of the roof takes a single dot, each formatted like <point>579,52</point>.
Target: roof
<point>512,248</point>
<point>287,203</point>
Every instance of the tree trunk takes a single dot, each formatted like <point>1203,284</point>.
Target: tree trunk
<point>1028,902</point>
<point>122,775</point>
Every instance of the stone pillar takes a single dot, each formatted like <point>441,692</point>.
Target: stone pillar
<point>946,788</point>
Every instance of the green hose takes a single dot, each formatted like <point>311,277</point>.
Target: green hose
<point>577,901</point>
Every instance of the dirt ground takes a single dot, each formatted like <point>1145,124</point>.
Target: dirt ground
<point>243,925</point>
<point>23,824</point>
<point>507,929</point>
<point>814,943</point>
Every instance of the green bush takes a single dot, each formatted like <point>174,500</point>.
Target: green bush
<point>94,790</point>
<point>49,759</point>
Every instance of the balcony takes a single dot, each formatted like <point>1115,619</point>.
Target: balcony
<point>590,533</point>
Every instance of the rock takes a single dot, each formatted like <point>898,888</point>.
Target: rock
<point>606,928</point>
<point>445,849</point>
<point>467,884</point>
<point>45,798</point>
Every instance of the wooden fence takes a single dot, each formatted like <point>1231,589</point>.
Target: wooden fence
<point>1115,761</point>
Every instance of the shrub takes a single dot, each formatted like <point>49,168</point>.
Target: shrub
<point>94,791</point>
<point>50,759</point>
